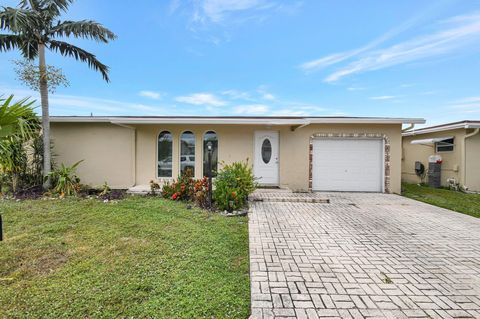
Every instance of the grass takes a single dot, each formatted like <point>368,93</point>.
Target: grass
<point>460,202</point>
<point>137,258</point>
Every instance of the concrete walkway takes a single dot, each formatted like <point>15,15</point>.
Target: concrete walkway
<point>362,256</point>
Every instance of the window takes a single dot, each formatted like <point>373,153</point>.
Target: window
<point>266,151</point>
<point>187,152</point>
<point>444,146</point>
<point>164,154</point>
<point>210,136</point>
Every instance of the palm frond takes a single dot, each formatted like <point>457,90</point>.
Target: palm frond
<point>19,20</point>
<point>67,49</point>
<point>86,29</point>
<point>18,119</point>
<point>53,8</point>
<point>29,49</point>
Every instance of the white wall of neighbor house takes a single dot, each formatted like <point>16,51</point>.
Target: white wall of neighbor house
<point>452,166</point>
<point>124,157</point>
<point>473,162</point>
<point>107,152</point>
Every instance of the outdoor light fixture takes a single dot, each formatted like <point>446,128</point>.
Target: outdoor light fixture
<point>209,150</point>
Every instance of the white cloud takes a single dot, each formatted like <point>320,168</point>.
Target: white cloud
<point>151,94</point>
<point>201,99</point>
<point>458,33</point>
<point>237,95</point>
<point>300,110</point>
<point>466,105</point>
<point>63,104</point>
<point>383,97</point>
<point>217,11</point>
<point>335,58</point>
<point>251,109</point>
<point>355,88</point>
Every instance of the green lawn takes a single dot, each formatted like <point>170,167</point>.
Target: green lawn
<point>461,202</point>
<point>137,258</point>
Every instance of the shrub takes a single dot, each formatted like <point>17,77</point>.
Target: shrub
<point>233,184</point>
<point>200,192</point>
<point>67,183</point>
<point>181,189</point>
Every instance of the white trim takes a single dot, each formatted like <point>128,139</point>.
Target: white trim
<point>156,154</point>
<point>303,121</point>
<point>445,127</point>
<point>180,153</point>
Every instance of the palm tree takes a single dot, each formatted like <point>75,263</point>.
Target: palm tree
<point>34,26</point>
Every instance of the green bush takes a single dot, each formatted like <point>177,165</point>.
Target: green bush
<point>233,184</point>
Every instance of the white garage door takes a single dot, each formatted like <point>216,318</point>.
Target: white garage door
<point>347,165</point>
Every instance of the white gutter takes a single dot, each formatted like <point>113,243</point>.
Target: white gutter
<point>446,127</point>
<point>237,120</point>
<point>475,132</point>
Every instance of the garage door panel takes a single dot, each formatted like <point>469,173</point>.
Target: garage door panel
<point>347,165</point>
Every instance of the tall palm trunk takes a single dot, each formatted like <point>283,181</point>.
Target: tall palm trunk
<point>45,116</point>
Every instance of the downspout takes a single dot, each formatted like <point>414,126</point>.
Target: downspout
<point>408,128</point>
<point>134,149</point>
<point>475,132</point>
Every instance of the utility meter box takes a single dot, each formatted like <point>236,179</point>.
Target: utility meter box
<point>434,171</point>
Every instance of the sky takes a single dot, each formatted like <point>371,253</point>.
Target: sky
<point>404,58</point>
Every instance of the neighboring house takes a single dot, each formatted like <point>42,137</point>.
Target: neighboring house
<point>299,153</point>
<point>457,143</point>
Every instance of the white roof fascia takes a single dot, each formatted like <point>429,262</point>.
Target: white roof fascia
<point>238,120</point>
<point>455,126</point>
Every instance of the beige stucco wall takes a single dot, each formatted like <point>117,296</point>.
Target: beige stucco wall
<point>452,166</point>
<point>236,144</point>
<point>473,162</point>
<point>107,152</point>
<point>124,157</point>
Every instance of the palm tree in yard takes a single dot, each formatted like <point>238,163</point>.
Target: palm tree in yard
<point>34,27</point>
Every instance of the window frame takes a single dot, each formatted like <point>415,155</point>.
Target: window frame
<point>445,144</point>
<point>180,152</point>
<point>204,173</point>
<point>171,154</point>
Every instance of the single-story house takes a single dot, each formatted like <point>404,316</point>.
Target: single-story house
<point>299,153</point>
<point>457,143</point>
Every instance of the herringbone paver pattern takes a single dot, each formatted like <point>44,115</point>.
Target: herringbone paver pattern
<point>363,256</point>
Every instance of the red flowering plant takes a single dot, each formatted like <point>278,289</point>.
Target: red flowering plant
<point>180,189</point>
<point>200,190</point>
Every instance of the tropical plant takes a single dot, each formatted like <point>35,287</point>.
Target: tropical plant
<point>18,125</point>
<point>17,119</point>
<point>13,160</point>
<point>232,186</point>
<point>67,181</point>
<point>34,26</point>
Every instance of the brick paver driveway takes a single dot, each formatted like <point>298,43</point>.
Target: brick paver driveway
<point>363,256</point>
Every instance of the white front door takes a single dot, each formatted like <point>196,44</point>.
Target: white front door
<point>265,165</point>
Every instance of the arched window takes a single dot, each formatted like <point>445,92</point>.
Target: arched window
<point>210,136</point>
<point>165,154</point>
<point>187,152</point>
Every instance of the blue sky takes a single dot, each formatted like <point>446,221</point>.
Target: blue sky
<point>404,58</point>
